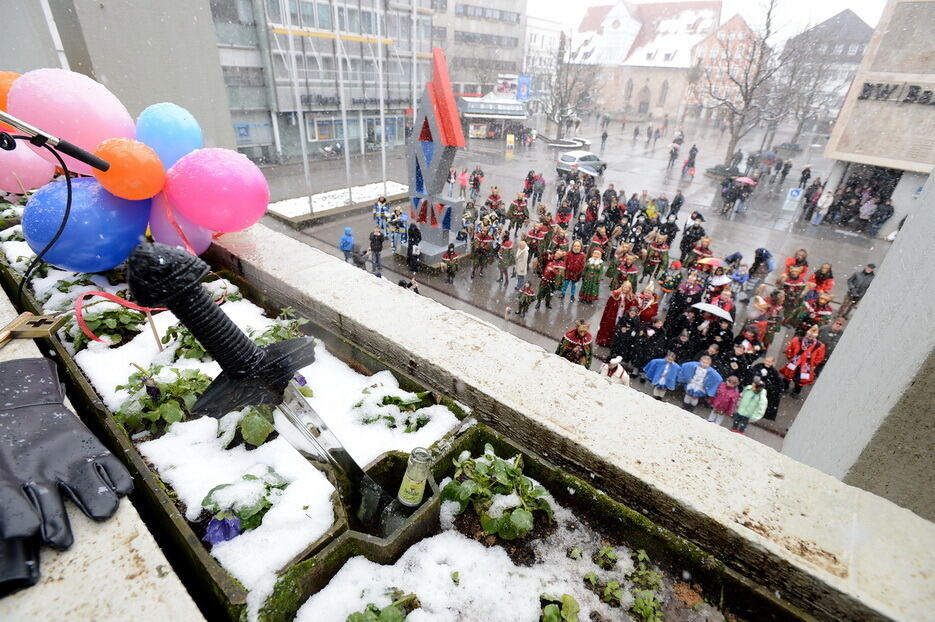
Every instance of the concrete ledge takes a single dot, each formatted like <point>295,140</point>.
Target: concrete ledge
<point>114,570</point>
<point>299,222</point>
<point>832,549</point>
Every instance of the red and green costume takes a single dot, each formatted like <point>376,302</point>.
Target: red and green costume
<point>591,279</point>
<point>576,348</point>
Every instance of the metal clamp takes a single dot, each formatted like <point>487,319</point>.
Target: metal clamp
<point>29,326</point>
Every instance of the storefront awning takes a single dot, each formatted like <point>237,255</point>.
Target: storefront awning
<point>494,116</point>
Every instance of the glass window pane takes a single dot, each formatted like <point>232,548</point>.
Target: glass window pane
<point>294,12</point>
<point>366,22</point>
<point>342,19</point>
<point>353,25</point>
<point>308,14</point>
<point>324,16</point>
<point>272,8</point>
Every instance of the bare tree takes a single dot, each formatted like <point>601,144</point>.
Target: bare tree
<point>570,86</point>
<point>740,85</point>
<point>806,78</point>
<point>485,74</point>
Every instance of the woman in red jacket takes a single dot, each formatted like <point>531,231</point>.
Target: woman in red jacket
<point>804,354</point>
<point>823,279</point>
<point>574,268</point>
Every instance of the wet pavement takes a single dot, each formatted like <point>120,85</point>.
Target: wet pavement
<point>770,221</point>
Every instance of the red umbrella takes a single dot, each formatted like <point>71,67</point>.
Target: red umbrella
<point>746,180</point>
<point>715,262</point>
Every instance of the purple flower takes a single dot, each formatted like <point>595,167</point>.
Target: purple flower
<point>222,528</point>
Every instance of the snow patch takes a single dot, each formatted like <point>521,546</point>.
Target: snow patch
<point>325,201</point>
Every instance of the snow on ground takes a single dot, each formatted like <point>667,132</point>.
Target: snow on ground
<point>337,388</point>
<point>490,587</point>
<point>324,201</point>
<point>192,460</point>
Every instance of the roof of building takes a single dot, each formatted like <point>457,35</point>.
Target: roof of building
<point>844,25</point>
<point>655,34</point>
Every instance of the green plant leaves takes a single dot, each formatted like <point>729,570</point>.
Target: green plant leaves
<point>255,428</point>
<point>564,609</point>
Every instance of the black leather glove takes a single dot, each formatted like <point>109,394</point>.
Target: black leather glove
<point>46,450</point>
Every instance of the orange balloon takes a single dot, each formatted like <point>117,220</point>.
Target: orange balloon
<point>135,170</point>
<point>6,81</point>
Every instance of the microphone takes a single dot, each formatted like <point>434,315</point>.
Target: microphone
<point>40,138</point>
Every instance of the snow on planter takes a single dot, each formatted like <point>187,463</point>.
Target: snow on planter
<point>191,459</point>
<point>340,399</point>
<point>334,199</point>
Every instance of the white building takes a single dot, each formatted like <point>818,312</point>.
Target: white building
<point>542,36</point>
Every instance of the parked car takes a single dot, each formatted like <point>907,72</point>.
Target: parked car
<point>579,159</point>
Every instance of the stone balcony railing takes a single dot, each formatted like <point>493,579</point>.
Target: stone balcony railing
<point>832,549</point>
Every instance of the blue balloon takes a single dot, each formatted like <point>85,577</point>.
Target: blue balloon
<point>102,229</point>
<point>170,130</point>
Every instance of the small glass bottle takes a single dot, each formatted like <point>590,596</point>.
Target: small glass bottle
<point>412,488</point>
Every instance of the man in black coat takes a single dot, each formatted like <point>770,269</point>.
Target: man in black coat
<point>376,247</point>
<point>650,344</point>
<point>766,371</point>
<point>415,236</point>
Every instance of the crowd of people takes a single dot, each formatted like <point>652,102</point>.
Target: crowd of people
<point>862,204</point>
<point>672,322</point>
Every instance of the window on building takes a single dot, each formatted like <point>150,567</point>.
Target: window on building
<point>740,35</point>
<point>294,12</point>
<point>308,14</point>
<point>823,48</point>
<point>721,35</point>
<point>852,49</point>
<point>663,92</point>
<point>273,11</point>
<point>353,20</point>
<point>366,22</point>
<point>628,90</point>
<point>730,35</point>
<point>440,5</point>
<point>392,26</point>
<point>838,49</point>
<point>224,11</point>
<point>439,33</point>
<point>713,53</point>
<point>667,56</point>
<point>324,16</point>
<point>738,51</point>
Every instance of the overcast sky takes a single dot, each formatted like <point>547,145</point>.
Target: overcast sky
<point>794,15</point>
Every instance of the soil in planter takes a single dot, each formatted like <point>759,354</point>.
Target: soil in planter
<point>521,551</point>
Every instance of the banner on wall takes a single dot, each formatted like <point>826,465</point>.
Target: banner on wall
<point>523,87</point>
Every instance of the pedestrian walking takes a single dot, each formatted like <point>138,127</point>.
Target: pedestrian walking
<point>604,140</point>
<point>857,285</point>
<point>805,176</point>
<point>751,407</point>
<point>413,252</point>
<point>463,180</point>
<point>577,344</point>
<point>521,263</point>
<point>725,401</point>
<point>574,268</point>
<point>663,374</point>
<point>767,373</point>
<point>506,258</point>
<point>450,260</point>
<point>804,354</point>
<point>452,181</point>
<point>376,248</point>
<point>700,380</point>
<point>613,370</point>
<point>538,187</point>
<point>346,244</point>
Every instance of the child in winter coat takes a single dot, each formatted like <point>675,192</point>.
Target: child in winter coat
<point>752,406</point>
<point>524,296</point>
<point>346,244</point>
<point>738,280</point>
<point>662,374</point>
<point>700,380</point>
<point>724,402</point>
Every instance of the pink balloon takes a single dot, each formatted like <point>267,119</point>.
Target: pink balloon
<point>159,225</point>
<point>70,106</point>
<point>23,166</point>
<point>218,189</point>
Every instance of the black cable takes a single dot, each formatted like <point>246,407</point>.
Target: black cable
<point>61,228</point>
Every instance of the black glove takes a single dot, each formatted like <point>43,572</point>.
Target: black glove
<point>46,450</point>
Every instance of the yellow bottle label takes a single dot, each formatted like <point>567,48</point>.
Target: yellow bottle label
<point>411,491</point>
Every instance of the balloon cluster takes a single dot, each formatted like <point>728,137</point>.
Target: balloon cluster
<point>160,175</point>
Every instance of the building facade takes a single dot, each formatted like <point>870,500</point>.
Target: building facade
<point>834,49</point>
<point>281,67</point>
<point>483,42</point>
<point>645,54</point>
<point>727,49</point>
<point>884,136</point>
<point>542,37</point>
